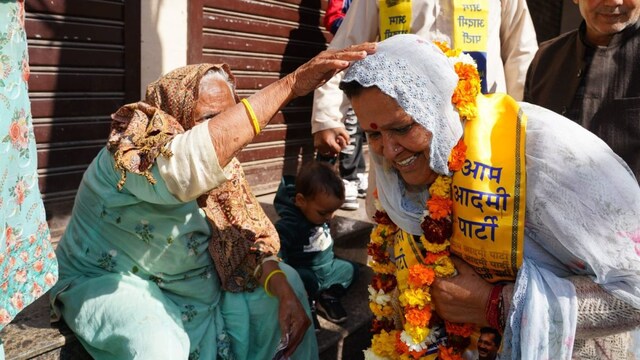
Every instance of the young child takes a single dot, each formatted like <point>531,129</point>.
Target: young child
<point>306,204</point>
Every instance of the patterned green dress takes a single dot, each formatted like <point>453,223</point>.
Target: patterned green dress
<point>28,265</point>
<point>134,264</point>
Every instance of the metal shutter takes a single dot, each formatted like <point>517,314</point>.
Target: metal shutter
<point>84,65</point>
<point>262,41</point>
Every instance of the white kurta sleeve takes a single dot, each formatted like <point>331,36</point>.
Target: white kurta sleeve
<point>359,25</point>
<point>519,44</point>
<point>194,168</point>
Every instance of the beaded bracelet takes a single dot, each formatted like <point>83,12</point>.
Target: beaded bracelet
<point>266,282</point>
<point>252,116</point>
<point>493,312</point>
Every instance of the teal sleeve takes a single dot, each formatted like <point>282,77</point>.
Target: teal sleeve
<point>287,237</point>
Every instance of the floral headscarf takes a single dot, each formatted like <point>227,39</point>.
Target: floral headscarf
<point>242,234</point>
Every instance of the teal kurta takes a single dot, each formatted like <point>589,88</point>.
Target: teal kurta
<point>27,263</point>
<point>134,264</point>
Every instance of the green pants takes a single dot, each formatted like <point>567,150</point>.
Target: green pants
<point>321,277</point>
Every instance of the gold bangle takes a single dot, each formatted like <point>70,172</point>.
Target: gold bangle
<point>252,116</point>
<point>266,282</point>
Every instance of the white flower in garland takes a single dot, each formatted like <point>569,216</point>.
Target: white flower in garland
<point>462,58</point>
<point>378,297</point>
<point>412,345</point>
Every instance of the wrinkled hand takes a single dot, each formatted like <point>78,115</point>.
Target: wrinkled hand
<point>323,66</point>
<point>330,142</point>
<point>461,298</point>
<point>291,315</point>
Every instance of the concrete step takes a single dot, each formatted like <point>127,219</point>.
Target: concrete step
<point>347,340</point>
<point>32,336</point>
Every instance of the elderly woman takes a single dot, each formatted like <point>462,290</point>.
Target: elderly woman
<point>542,217</point>
<point>136,278</point>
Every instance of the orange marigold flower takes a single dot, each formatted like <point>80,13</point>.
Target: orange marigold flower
<point>420,275</point>
<point>417,317</point>
<point>466,71</point>
<point>445,353</point>
<point>461,329</point>
<point>464,93</point>
<point>432,258</point>
<point>458,156</point>
<point>439,207</point>
<point>468,111</point>
<point>402,348</point>
<point>442,45</point>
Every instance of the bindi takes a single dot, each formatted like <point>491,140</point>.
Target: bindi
<point>374,126</point>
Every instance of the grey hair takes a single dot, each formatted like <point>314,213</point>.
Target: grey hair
<point>220,74</point>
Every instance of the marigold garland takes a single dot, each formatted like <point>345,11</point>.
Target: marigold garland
<point>457,157</point>
<point>439,207</point>
<point>417,318</point>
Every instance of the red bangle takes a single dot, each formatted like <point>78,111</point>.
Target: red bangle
<point>493,311</point>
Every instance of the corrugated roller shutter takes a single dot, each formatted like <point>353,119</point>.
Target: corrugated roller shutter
<point>80,74</point>
<point>262,41</point>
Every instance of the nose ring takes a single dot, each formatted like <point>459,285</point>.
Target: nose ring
<point>395,149</point>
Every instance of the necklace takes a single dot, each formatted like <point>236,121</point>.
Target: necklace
<point>405,326</point>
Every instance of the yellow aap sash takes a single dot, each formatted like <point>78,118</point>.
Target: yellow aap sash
<point>405,254</point>
<point>395,18</point>
<point>471,32</point>
<point>470,25</point>
<point>488,193</point>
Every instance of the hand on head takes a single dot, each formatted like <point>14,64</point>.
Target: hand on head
<point>325,65</point>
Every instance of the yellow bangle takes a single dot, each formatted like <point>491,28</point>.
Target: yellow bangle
<point>266,282</point>
<point>252,116</point>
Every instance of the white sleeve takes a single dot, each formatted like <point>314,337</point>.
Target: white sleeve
<point>194,168</point>
<point>518,44</point>
<point>329,103</point>
<point>329,106</point>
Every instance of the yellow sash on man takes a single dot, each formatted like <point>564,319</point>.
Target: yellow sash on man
<point>489,193</point>
<point>471,32</point>
<point>395,18</point>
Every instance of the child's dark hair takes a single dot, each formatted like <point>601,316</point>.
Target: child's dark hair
<point>317,177</point>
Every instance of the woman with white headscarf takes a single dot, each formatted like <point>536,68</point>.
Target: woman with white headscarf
<point>542,217</point>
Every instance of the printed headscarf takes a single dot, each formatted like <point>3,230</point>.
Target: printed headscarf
<point>242,234</point>
<point>421,79</point>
